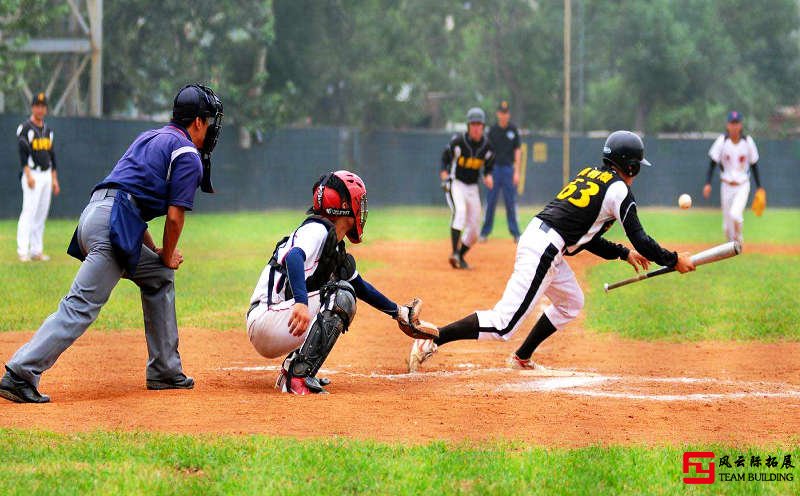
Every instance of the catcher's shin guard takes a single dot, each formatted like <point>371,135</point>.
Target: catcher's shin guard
<point>336,312</point>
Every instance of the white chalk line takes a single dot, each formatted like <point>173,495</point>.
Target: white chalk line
<point>579,383</point>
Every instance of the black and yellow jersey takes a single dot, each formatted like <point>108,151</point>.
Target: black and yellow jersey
<point>589,205</point>
<point>36,146</point>
<point>463,158</point>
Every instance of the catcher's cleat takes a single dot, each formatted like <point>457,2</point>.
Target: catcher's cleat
<point>300,386</point>
<point>455,261</point>
<point>518,363</point>
<point>421,350</point>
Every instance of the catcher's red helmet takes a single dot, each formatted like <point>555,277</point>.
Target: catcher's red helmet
<point>342,194</point>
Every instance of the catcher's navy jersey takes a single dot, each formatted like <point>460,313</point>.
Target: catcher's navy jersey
<point>464,158</point>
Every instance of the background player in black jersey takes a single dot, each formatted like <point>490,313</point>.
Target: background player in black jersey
<point>576,219</point>
<point>462,161</point>
<point>38,179</point>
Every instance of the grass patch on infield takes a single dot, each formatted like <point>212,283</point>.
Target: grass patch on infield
<point>749,297</point>
<point>138,463</point>
<point>225,254</point>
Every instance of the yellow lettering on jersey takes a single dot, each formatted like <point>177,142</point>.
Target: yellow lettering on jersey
<point>605,177</point>
<point>471,163</point>
<point>585,194</point>
<point>584,171</point>
<point>593,174</point>
<point>40,144</point>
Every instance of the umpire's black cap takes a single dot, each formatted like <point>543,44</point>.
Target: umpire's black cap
<point>39,99</point>
<point>503,107</point>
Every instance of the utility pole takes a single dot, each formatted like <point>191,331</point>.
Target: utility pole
<point>567,88</point>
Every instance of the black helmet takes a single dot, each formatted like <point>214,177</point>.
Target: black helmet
<point>625,150</point>
<point>476,114</point>
<point>196,100</point>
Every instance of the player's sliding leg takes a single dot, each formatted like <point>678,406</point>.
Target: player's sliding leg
<point>301,366</point>
<point>567,301</point>
<point>531,278</point>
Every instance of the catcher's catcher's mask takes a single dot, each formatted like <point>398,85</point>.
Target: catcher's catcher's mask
<point>342,194</point>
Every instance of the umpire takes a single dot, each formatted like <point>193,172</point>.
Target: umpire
<point>158,175</point>
<point>505,139</point>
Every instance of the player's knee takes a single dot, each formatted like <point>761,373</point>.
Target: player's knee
<point>340,298</point>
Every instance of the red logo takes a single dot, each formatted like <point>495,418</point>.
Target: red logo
<point>742,159</point>
<point>708,474</point>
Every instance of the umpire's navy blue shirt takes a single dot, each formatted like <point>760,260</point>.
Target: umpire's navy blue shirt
<point>161,168</point>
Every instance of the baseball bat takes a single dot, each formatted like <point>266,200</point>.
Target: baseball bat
<point>720,252</point>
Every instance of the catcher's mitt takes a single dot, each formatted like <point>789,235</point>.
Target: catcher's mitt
<point>759,202</point>
<point>409,322</point>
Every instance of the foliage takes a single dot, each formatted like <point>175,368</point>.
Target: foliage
<point>656,65</point>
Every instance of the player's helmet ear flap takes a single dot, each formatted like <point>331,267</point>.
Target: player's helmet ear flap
<point>342,194</point>
<point>625,150</point>
<point>196,100</point>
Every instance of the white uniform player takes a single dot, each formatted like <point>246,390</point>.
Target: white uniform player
<point>268,321</point>
<point>736,155</point>
<point>306,295</point>
<point>461,165</point>
<point>38,180</point>
<point>576,219</point>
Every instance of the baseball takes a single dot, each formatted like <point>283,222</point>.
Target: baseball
<point>684,201</point>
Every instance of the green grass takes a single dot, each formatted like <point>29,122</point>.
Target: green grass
<point>225,254</point>
<point>751,297</point>
<point>137,463</point>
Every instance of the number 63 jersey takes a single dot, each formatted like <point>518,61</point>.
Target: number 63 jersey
<point>588,206</point>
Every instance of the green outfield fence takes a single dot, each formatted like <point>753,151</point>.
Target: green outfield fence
<point>399,167</point>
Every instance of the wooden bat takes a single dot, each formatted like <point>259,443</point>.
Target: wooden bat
<point>720,252</point>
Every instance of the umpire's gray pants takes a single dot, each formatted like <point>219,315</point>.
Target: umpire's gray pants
<point>96,278</point>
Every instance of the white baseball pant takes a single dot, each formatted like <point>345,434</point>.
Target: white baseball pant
<point>35,206</point>
<point>734,200</point>
<point>268,327</point>
<point>464,201</point>
<point>539,269</point>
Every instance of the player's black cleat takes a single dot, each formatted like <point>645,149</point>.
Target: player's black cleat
<point>180,381</point>
<point>18,390</point>
<point>455,261</point>
<point>462,264</point>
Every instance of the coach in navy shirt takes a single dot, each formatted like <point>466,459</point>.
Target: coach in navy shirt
<point>158,175</point>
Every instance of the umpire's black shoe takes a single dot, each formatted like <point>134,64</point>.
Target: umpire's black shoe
<point>18,390</point>
<point>180,381</point>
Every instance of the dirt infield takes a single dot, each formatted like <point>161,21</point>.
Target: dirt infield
<point>601,388</point>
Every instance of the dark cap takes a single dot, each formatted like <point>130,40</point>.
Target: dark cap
<point>39,99</point>
<point>734,116</point>
<point>503,106</point>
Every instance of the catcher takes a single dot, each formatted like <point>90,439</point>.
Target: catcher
<point>306,295</point>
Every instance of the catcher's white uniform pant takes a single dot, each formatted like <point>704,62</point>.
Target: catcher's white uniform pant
<point>734,201</point>
<point>539,269</point>
<point>268,327</point>
<point>35,205</point>
<point>465,203</point>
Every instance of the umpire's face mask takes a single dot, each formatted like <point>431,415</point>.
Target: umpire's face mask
<point>210,141</point>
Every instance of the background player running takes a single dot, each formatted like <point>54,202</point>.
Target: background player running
<point>306,295</point>
<point>737,156</point>
<point>462,161</point>
<point>576,219</point>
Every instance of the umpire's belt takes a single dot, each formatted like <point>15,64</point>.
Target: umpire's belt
<point>101,193</point>
<point>552,235</point>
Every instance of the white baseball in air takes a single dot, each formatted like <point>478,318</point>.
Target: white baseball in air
<point>684,201</point>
